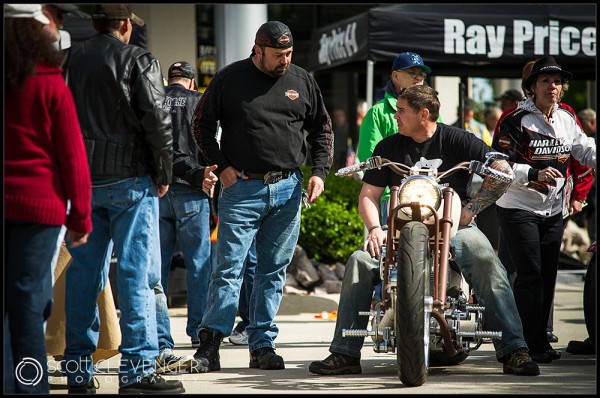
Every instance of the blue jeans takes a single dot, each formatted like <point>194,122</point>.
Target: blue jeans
<point>185,221</point>
<point>124,215</point>
<point>246,290</point>
<point>163,322</point>
<point>29,249</point>
<point>482,270</point>
<point>271,213</point>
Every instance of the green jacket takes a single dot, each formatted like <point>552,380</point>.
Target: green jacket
<point>377,124</point>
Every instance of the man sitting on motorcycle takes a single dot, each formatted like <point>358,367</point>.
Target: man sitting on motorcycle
<point>419,136</point>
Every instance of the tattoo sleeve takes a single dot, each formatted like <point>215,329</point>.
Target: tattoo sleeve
<point>491,188</point>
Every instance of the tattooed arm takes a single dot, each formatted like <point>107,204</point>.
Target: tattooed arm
<point>491,189</point>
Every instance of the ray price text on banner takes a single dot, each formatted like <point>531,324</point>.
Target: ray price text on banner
<point>490,39</point>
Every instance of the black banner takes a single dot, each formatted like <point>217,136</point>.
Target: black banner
<point>487,40</point>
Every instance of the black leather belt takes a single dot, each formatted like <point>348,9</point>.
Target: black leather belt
<point>270,177</point>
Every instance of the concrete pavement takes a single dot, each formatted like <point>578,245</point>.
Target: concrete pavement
<point>304,338</point>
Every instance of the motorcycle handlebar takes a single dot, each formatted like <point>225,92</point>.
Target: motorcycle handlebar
<point>370,163</point>
<point>473,166</point>
<point>483,170</point>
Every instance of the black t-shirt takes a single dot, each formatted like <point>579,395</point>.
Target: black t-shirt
<point>450,144</point>
<point>264,120</point>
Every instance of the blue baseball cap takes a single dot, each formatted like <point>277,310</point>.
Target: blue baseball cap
<point>408,60</point>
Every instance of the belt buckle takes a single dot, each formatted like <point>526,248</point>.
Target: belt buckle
<point>272,177</point>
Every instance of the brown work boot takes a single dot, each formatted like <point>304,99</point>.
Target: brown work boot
<point>520,363</point>
<point>336,364</point>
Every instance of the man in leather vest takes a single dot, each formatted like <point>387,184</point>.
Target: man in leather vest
<point>119,94</point>
<point>184,216</point>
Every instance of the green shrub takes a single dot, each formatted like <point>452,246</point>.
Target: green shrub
<point>331,230</point>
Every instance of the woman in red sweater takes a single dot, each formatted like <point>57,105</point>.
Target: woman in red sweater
<point>45,167</point>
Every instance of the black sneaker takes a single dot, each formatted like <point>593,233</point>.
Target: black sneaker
<point>552,353</point>
<point>153,384</point>
<point>585,347</point>
<point>265,358</point>
<point>520,363</point>
<point>336,364</point>
<point>89,388</point>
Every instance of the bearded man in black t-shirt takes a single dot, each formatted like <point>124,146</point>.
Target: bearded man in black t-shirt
<point>265,105</point>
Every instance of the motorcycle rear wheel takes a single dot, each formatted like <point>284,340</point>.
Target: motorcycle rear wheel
<point>412,320</point>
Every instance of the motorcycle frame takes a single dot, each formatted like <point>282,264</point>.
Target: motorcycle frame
<point>430,248</point>
<point>439,243</point>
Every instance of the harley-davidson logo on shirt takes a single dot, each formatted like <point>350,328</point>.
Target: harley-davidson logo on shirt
<point>292,94</point>
<point>549,149</point>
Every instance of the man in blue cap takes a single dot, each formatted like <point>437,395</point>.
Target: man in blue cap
<point>408,70</point>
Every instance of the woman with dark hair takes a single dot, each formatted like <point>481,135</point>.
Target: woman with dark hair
<point>540,136</point>
<point>45,167</point>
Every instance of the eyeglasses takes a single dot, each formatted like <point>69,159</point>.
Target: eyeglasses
<point>416,75</point>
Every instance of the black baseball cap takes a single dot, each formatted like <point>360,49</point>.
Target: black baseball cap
<point>181,69</point>
<point>274,34</point>
<point>116,11</point>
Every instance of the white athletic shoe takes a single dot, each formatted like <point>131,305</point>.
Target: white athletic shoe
<point>238,338</point>
<point>167,362</point>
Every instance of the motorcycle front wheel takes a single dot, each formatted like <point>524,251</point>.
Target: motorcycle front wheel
<point>412,319</point>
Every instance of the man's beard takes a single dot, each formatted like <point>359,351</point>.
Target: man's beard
<point>277,72</point>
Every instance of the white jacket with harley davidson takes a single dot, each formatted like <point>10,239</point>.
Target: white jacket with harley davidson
<point>533,142</point>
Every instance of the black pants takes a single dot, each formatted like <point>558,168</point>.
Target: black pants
<point>534,244</point>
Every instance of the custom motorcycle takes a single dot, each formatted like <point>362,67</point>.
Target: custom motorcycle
<point>428,315</point>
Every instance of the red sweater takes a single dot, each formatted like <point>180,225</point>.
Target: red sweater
<point>45,161</point>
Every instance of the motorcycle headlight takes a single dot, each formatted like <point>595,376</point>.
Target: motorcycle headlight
<point>421,189</point>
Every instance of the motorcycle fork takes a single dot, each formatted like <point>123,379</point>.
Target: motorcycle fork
<point>439,232</point>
